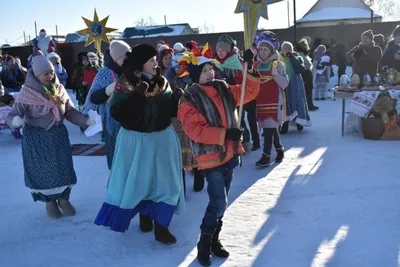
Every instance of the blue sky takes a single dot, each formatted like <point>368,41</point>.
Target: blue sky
<point>217,14</point>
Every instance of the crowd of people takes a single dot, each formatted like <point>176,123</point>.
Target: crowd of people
<point>169,110</point>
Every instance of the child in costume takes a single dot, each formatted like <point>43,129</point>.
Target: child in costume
<point>42,106</point>
<point>322,72</point>
<point>208,113</point>
<point>146,174</point>
<point>98,97</point>
<point>178,77</point>
<point>270,99</point>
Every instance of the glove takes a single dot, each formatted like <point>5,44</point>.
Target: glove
<point>233,134</point>
<point>142,87</point>
<point>110,89</point>
<point>248,57</point>
<point>17,122</point>
<point>90,122</point>
<point>158,78</point>
<point>359,53</point>
<point>178,93</point>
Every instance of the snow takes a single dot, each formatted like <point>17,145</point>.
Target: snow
<point>337,13</point>
<point>177,30</point>
<point>332,202</point>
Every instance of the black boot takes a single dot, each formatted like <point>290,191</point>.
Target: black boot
<point>198,183</point>
<point>255,147</point>
<point>280,154</point>
<point>264,161</point>
<point>204,250</point>
<point>285,128</point>
<point>145,223</point>
<point>163,235</point>
<point>300,127</point>
<point>216,246</point>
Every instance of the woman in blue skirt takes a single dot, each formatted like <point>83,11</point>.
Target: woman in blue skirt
<point>146,175</point>
<point>42,106</point>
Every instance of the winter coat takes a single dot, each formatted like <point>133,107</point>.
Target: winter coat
<point>365,60</point>
<point>12,78</point>
<point>388,56</point>
<point>62,74</point>
<point>198,130</point>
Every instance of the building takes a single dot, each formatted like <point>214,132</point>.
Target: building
<point>158,30</point>
<point>338,12</point>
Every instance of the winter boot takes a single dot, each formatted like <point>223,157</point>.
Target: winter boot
<point>163,235</point>
<point>198,183</point>
<point>216,246</point>
<point>66,207</point>
<point>256,146</point>
<point>285,128</point>
<point>300,127</point>
<point>52,210</point>
<point>145,223</point>
<point>280,154</point>
<point>204,250</point>
<point>264,161</point>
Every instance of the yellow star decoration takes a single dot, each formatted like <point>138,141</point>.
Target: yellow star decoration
<point>96,31</point>
<point>252,11</point>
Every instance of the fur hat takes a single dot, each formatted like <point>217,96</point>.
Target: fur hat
<point>118,49</point>
<point>41,64</point>
<point>368,34</point>
<point>140,55</point>
<point>267,37</point>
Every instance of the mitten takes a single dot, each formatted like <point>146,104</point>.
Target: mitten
<point>17,122</point>
<point>233,134</point>
<point>248,57</point>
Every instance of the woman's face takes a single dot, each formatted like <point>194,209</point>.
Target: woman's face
<point>85,62</point>
<point>11,63</point>
<point>366,40</point>
<point>150,66</point>
<point>207,74</point>
<point>264,52</point>
<point>221,53</point>
<point>167,61</point>
<point>179,69</point>
<point>46,77</point>
<point>287,50</point>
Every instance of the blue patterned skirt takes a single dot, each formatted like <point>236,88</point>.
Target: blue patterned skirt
<point>146,178</point>
<point>48,167</point>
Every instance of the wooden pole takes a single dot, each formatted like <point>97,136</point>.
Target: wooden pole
<point>35,29</point>
<point>24,39</point>
<point>295,23</point>
<point>57,32</point>
<point>288,14</point>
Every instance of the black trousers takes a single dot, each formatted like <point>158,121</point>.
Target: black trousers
<point>271,136</point>
<point>251,110</point>
<point>341,71</point>
<point>308,86</point>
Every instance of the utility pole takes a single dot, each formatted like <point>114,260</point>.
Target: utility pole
<point>165,19</point>
<point>57,32</point>
<point>288,14</point>
<point>24,39</point>
<point>35,29</point>
<point>295,23</point>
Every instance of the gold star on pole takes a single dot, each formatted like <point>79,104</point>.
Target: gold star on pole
<point>252,11</point>
<point>96,31</point>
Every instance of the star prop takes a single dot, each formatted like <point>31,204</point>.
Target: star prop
<point>96,31</point>
<point>252,11</point>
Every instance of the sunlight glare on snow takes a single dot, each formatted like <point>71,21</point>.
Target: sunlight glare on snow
<point>327,249</point>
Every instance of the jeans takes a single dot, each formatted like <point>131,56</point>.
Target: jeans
<point>271,135</point>
<point>251,110</point>
<point>219,181</point>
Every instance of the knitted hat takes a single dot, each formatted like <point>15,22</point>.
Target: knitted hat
<point>179,47</point>
<point>141,54</point>
<point>226,43</point>
<point>368,34</point>
<point>118,49</point>
<point>396,31</point>
<point>379,38</point>
<point>41,64</point>
<point>53,55</point>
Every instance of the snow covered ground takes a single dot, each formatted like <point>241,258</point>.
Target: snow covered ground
<point>332,202</point>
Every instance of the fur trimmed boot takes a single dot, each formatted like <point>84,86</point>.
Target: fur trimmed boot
<point>163,235</point>
<point>145,223</point>
<point>66,207</point>
<point>52,210</point>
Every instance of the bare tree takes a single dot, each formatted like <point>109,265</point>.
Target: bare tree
<point>207,28</point>
<point>382,7</point>
<point>395,12</point>
<point>142,22</point>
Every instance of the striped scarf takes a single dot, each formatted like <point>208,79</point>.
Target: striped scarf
<point>196,97</point>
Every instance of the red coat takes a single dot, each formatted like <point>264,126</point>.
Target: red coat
<point>197,129</point>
